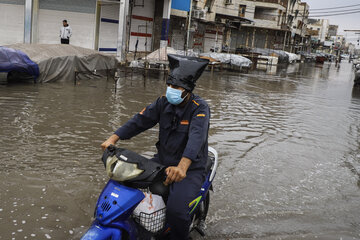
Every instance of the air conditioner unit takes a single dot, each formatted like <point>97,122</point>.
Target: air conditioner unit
<point>199,14</point>
<point>228,2</point>
<point>196,13</point>
<point>202,14</point>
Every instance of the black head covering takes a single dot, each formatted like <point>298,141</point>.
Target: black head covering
<point>184,71</point>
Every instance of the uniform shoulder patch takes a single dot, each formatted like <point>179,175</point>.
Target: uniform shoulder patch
<point>197,104</point>
<point>200,115</point>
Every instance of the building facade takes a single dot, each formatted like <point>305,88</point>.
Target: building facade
<point>145,25</point>
<point>232,25</point>
<point>333,30</point>
<point>298,13</point>
<point>47,17</point>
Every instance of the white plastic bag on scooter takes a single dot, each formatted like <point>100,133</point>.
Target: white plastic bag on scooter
<point>150,212</point>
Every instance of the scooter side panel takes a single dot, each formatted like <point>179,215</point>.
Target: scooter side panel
<point>116,202</point>
<point>201,195</point>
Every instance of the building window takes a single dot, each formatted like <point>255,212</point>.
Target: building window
<point>242,10</point>
<point>280,13</point>
<point>209,4</point>
<point>265,13</point>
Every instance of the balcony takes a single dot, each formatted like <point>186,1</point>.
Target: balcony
<point>283,3</point>
<point>284,27</point>
<point>262,13</point>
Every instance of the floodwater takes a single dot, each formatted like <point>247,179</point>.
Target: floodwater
<point>288,144</point>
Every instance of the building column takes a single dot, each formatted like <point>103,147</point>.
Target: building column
<point>285,35</point>
<point>35,17</point>
<point>253,39</point>
<point>266,38</point>
<point>97,25</point>
<point>28,20</point>
<point>121,41</point>
<point>247,37</point>
<point>165,23</point>
<point>31,21</point>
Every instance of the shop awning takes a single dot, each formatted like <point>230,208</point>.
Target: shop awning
<point>234,18</point>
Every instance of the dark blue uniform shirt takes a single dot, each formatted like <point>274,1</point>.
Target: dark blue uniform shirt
<point>183,130</point>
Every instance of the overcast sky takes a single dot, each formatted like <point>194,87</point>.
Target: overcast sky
<point>350,21</point>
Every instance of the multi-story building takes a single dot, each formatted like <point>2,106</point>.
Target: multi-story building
<point>318,29</point>
<point>339,42</point>
<point>298,13</point>
<point>333,29</point>
<point>268,28</point>
<point>227,25</point>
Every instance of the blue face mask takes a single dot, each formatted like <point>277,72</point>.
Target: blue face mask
<point>174,96</point>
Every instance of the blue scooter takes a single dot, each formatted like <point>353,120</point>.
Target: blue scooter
<point>129,172</point>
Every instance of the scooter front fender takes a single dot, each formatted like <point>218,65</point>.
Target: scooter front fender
<point>99,232</point>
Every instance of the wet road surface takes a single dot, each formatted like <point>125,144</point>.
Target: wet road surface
<point>288,144</point>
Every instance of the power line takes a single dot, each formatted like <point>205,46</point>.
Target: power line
<point>320,9</point>
<point>337,11</point>
<point>300,14</point>
<point>337,14</point>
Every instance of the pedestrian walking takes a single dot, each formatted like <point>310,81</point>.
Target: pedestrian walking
<point>65,33</point>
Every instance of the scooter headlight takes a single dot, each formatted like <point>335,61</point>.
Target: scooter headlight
<point>121,170</point>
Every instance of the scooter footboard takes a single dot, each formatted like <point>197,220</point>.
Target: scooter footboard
<point>98,232</point>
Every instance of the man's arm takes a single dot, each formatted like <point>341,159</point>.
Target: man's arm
<point>110,141</point>
<point>70,32</point>
<point>198,132</point>
<point>142,121</point>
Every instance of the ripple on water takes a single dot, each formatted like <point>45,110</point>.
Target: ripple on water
<point>288,146</point>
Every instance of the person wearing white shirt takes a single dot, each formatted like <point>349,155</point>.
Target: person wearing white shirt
<point>65,33</point>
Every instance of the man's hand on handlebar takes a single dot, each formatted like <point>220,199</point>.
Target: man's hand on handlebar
<point>177,173</point>
<point>110,141</point>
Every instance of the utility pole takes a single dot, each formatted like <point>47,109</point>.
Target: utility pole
<point>188,28</point>
<point>165,29</point>
<point>285,23</point>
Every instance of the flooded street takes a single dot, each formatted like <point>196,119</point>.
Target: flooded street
<point>288,144</point>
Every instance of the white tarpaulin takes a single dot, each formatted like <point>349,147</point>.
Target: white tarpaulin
<point>231,59</point>
<point>161,54</point>
<point>293,57</point>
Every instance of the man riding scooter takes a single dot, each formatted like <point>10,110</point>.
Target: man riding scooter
<point>182,147</point>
